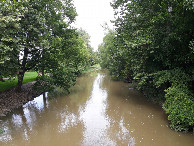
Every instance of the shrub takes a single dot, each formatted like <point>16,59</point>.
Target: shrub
<point>179,106</point>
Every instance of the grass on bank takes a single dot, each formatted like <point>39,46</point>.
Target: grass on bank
<point>31,76</point>
<point>92,68</point>
<point>28,77</point>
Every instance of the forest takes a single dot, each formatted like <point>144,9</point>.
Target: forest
<point>152,47</point>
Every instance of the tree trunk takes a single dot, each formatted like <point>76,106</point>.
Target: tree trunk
<point>44,99</point>
<point>22,72</point>
<point>43,72</point>
<point>20,80</point>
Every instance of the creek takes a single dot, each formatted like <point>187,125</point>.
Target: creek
<point>97,112</point>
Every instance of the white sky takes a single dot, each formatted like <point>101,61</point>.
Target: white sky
<point>92,14</point>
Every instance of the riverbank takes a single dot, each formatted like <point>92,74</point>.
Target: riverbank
<point>10,83</point>
<point>10,100</point>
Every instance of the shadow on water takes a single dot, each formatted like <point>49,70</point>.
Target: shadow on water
<point>98,111</point>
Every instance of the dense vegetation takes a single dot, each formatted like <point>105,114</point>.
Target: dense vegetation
<point>152,46</point>
<point>37,35</point>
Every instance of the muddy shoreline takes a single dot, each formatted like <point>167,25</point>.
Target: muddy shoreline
<point>10,100</point>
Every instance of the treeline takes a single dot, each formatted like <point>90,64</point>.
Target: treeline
<point>152,46</point>
<point>37,35</point>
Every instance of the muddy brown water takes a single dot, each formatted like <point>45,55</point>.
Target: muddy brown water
<point>98,112</point>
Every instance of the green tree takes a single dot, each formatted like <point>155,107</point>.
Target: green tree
<point>92,56</point>
<point>40,25</point>
<point>153,46</point>
<point>11,13</point>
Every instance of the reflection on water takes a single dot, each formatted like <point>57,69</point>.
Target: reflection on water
<point>39,103</point>
<point>96,122</point>
<point>23,119</point>
<point>97,112</point>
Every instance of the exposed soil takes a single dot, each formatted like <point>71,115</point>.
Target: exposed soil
<point>10,100</point>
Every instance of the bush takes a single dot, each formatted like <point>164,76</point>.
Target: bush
<point>179,106</point>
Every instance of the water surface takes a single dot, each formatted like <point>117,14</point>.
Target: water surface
<point>98,112</point>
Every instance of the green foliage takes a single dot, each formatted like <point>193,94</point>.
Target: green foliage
<point>9,25</point>
<point>111,57</point>
<point>63,78</point>
<point>92,57</point>
<point>152,46</point>
<point>179,105</point>
<point>67,61</point>
<point>37,35</point>
<point>105,49</point>
<point>91,68</point>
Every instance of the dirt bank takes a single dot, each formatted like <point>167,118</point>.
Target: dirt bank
<point>10,100</point>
